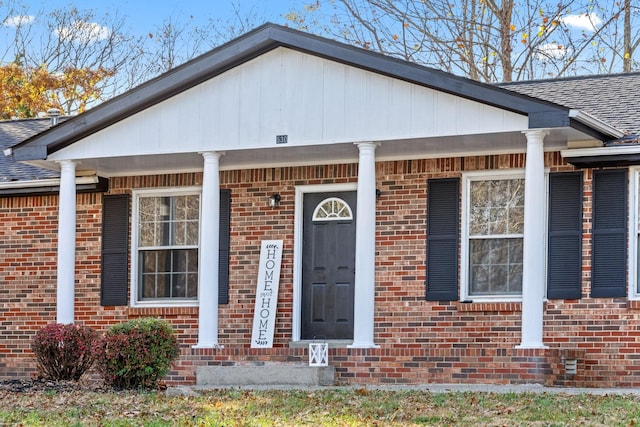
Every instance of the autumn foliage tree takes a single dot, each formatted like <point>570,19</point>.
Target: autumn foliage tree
<point>91,57</point>
<point>26,91</point>
<point>66,58</point>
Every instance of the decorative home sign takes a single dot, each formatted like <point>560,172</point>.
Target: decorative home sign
<point>264,315</point>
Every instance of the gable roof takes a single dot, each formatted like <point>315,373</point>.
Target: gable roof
<point>610,97</point>
<point>542,114</point>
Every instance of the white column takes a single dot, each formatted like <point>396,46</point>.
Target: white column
<point>65,295</point>
<point>209,248</point>
<point>533,270</point>
<point>364,298</point>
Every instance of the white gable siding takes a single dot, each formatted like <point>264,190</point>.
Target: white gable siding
<point>310,99</point>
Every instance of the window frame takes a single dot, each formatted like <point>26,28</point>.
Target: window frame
<point>633,239</point>
<point>135,223</point>
<point>467,178</point>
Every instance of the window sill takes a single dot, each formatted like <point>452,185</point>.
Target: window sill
<point>161,311</point>
<point>167,303</point>
<point>490,306</point>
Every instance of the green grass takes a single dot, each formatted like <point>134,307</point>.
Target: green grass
<point>331,407</point>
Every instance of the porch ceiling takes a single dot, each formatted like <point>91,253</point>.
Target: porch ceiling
<point>451,146</point>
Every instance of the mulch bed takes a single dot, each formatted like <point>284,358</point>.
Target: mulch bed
<point>42,385</point>
<point>32,385</point>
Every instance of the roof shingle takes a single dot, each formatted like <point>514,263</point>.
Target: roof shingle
<point>11,133</point>
<point>612,98</point>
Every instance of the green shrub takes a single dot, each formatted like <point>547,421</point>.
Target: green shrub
<point>64,352</point>
<point>137,353</point>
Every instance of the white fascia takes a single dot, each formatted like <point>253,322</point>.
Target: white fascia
<point>601,151</point>
<point>49,182</point>
<point>595,123</point>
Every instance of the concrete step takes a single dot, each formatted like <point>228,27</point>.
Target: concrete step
<point>265,375</point>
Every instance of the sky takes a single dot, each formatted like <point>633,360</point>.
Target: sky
<point>223,19</point>
<point>143,15</point>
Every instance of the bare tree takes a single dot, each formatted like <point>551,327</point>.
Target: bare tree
<point>627,37</point>
<point>631,36</point>
<point>179,38</point>
<point>169,44</point>
<point>486,40</point>
<point>13,21</point>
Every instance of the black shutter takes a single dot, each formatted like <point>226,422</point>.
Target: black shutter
<point>609,246</point>
<point>115,250</point>
<point>442,239</point>
<point>223,253</point>
<point>564,266</point>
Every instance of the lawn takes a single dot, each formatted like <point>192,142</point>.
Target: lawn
<point>331,407</point>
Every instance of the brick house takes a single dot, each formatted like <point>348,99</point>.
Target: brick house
<point>434,229</point>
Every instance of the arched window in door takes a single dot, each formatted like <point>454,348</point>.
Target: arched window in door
<point>332,209</point>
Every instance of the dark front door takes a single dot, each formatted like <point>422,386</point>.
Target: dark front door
<point>328,267</point>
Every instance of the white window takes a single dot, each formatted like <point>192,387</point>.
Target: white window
<point>165,246</point>
<point>493,231</point>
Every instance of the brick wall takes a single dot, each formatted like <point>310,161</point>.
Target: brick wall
<point>419,341</point>
<point>28,226</point>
